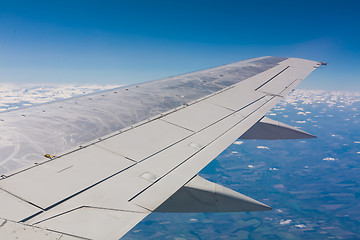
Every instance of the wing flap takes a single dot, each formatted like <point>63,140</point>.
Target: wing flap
<point>268,129</point>
<point>201,195</point>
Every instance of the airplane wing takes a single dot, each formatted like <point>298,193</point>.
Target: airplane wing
<point>92,167</point>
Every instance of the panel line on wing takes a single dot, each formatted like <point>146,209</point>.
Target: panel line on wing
<point>21,199</point>
<point>282,91</point>
<point>163,149</point>
<point>115,153</point>
<point>272,78</point>
<point>77,193</point>
<point>77,208</point>
<point>177,125</point>
<point>291,84</point>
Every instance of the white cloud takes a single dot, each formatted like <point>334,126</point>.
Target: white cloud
<point>238,142</point>
<point>329,159</point>
<point>331,98</point>
<point>262,147</point>
<point>284,222</point>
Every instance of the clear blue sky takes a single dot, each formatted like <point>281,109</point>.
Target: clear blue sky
<point>119,42</point>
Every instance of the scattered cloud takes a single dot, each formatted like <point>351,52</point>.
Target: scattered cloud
<point>238,142</point>
<point>331,98</point>
<point>284,222</point>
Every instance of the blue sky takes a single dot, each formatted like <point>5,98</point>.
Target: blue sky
<point>119,42</point>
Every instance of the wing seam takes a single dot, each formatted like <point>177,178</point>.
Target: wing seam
<point>272,78</point>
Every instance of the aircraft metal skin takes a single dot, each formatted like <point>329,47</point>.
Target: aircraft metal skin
<point>94,166</point>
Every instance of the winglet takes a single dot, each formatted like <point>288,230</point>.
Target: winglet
<point>268,129</point>
<point>201,195</point>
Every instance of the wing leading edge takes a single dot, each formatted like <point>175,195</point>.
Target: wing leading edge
<point>115,180</point>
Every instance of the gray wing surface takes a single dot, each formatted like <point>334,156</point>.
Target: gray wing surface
<point>116,156</point>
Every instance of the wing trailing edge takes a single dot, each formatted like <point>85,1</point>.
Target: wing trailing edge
<point>201,195</point>
<point>268,129</point>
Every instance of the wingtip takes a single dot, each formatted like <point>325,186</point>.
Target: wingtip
<point>263,207</point>
<point>268,208</point>
<point>309,136</point>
